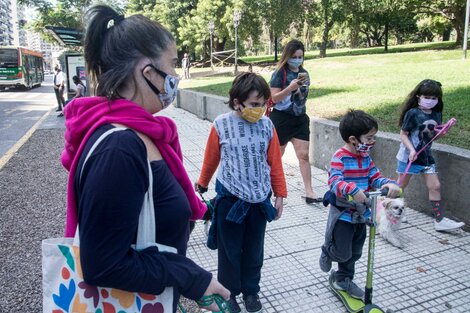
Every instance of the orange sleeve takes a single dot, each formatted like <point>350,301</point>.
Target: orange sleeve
<point>278,180</point>
<point>211,158</point>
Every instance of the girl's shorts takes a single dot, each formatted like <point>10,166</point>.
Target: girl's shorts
<point>416,169</point>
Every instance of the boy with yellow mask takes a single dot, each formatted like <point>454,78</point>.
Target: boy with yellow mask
<point>245,144</point>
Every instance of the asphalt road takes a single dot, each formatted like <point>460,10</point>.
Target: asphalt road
<point>21,109</point>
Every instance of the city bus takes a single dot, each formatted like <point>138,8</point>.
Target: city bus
<point>20,67</point>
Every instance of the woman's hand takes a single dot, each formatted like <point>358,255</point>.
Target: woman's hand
<point>294,84</point>
<point>216,288</point>
<point>278,204</point>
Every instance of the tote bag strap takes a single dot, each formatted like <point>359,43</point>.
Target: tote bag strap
<point>146,229</point>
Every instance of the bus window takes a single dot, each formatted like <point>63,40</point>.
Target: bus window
<point>8,58</point>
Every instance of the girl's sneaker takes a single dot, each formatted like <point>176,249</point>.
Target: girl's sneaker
<point>252,304</point>
<point>446,224</point>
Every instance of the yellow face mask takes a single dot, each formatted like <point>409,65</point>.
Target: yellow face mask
<point>253,115</point>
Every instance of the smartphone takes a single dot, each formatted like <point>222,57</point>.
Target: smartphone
<point>303,76</point>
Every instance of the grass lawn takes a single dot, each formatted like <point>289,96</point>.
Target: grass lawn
<point>378,84</point>
<point>375,50</point>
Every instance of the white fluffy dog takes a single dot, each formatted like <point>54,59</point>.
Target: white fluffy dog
<point>390,213</point>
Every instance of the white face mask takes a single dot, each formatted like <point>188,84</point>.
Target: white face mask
<point>427,103</point>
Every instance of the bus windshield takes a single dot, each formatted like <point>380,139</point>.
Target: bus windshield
<point>8,57</point>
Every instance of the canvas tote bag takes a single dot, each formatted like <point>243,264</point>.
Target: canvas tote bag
<point>65,291</point>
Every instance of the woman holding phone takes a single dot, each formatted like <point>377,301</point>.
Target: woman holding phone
<point>289,89</point>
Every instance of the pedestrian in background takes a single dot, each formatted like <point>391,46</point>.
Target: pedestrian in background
<point>80,91</point>
<point>245,143</point>
<point>59,84</point>
<point>135,78</point>
<point>185,64</point>
<point>289,89</point>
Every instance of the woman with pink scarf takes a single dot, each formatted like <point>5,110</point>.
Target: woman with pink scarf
<point>132,62</point>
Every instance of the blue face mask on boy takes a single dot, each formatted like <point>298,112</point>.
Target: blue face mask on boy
<point>295,62</point>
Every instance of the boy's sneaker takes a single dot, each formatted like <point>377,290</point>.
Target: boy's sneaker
<point>325,262</point>
<point>350,287</point>
<point>447,224</point>
<point>252,304</point>
<point>234,307</point>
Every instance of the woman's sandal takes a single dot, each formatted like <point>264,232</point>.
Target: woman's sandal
<point>309,200</point>
<point>221,303</point>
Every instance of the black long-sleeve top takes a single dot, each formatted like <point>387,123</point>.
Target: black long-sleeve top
<point>110,194</point>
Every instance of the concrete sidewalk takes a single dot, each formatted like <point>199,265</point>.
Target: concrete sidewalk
<point>431,274</point>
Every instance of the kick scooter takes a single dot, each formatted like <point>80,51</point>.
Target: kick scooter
<point>353,304</point>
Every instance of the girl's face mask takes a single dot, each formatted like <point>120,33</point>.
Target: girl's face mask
<point>427,103</point>
<point>170,86</point>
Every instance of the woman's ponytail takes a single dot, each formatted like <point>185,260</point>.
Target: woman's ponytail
<point>100,19</point>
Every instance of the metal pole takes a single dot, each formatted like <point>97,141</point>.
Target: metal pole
<point>211,32</point>
<point>236,22</point>
<point>236,49</point>
<point>465,37</point>
<point>212,64</point>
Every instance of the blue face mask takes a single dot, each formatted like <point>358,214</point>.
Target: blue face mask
<point>170,85</point>
<point>294,62</point>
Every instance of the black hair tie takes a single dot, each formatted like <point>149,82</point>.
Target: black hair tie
<point>119,19</point>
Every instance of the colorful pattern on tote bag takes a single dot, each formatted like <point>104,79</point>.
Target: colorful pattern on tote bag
<point>72,294</point>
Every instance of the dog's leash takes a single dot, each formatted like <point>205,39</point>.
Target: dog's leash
<point>441,130</point>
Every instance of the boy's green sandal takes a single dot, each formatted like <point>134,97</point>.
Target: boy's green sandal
<point>221,303</point>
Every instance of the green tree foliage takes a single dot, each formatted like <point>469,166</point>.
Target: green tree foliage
<point>430,26</point>
<point>59,13</point>
<point>167,12</point>
<point>326,13</point>
<point>188,20</point>
<point>376,19</point>
<point>451,10</point>
<point>278,15</point>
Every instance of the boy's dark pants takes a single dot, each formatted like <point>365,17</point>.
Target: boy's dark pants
<point>241,248</point>
<point>346,247</point>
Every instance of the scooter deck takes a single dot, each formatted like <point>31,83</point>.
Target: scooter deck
<point>353,305</point>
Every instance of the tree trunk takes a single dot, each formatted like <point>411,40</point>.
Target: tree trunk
<point>326,30</point>
<point>275,49</point>
<point>446,34</point>
<point>324,41</point>
<point>458,29</point>
<point>271,39</point>
<point>386,35</point>
<point>354,36</point>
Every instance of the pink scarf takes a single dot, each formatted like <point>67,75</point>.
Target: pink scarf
<point>85,115</point>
